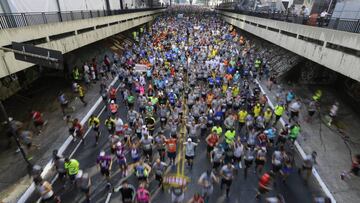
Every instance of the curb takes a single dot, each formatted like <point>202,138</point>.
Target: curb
<point>63,147</point>
<point>302,153</point>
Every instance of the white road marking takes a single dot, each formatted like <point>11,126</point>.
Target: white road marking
<point>302,153</point>
<point>63,147</point>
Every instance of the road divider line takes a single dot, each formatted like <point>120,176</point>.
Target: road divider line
<point>62,149</point>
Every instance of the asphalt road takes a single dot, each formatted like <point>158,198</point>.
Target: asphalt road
<point>295,189</point>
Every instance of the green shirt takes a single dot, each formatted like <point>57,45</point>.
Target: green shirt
<point>294,132</point>
<point>218,130</point>
<point>131,99</point>
<point>72,167</point>
<point>229,136</point>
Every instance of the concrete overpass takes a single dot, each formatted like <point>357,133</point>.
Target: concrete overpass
<point>336,50</point>
<point>67,36</point>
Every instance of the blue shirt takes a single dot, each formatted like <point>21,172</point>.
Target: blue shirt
<point>290,96</point>
<point>271,133</point>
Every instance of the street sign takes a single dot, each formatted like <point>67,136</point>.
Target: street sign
<point>37,55</point>
<point>176,180</point>
<point>141,68</point>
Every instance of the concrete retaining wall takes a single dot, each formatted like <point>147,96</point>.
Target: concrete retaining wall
<point>337,50</point>
<point>67,36</point>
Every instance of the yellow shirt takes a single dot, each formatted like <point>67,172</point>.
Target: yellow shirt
<point>257,110</point>
<point>267,115</point>
<point>242,116</point>
<point>279,110</point>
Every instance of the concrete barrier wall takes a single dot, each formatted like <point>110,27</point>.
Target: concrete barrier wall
<point>78,33</point>
<point>313,43</point>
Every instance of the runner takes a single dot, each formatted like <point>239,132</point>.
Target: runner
<point>190,152</point>
<point>146,144</point>
<point>104,163</point>
<point>249,156</point>
<point>110,123</point>
<point>196,199</point>
<point>45,190</point>
<point>128,192</point>
<point>206,181</point>
<point>212,140</point>
<point>159,170</point>
<point>217,157</point>
<point>264,184</point>
<point>72,168</point>
<point>121,158</point>
<point>59,163</point>
<point>94,122</point>
<point>227,175</point>
<point>38,121</point>
<point>142,194</point>
<point>113,108</point>
<point>171,148</point>
<point>84,183</point>
<point>142,171</point>
<point>77,130</point>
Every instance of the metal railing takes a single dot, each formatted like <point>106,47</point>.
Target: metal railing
<point>343,24</point>
<point>13,20</point>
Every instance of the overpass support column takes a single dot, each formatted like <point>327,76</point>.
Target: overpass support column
<point>121,5</point>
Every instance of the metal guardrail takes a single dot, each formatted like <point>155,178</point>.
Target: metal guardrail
<point>343,24</point>
<point>13,20</point>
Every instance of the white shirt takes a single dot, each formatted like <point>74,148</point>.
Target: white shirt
<point>333,110</point>
<point>323,14</point>
<point>295,106</point>
<point>119,124</point>
<point>86,69</point>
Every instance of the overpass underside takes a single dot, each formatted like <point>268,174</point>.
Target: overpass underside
<point>63,36</point>
<point>336,50</point>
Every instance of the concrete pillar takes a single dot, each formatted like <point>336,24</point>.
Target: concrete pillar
<point>108,9</point>
<point>59,10</point>
<point>121,5</point>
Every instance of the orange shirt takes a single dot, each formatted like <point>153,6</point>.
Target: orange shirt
<point>228,77</point>
<point>226,63</point>
<point>209,98</point>
<point>171,145</point>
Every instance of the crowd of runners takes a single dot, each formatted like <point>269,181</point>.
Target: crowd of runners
<point>207,68</point>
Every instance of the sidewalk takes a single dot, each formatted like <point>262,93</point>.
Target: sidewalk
<point>14,179</point>
<point>333,153</point>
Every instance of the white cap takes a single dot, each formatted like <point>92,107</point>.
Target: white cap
<point>11,119</point>
<point>102,153</point>
<point>118,144</point>
<point>112,101</point>
<point>189,139</point>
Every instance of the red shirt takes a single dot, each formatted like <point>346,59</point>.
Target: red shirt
<point>36,116</point>
<point>171,145</point>
<point>213,139</point>
<point>113,108</point>
<point>77,126</point>
<point>112,93</point>
<point>264,180</point>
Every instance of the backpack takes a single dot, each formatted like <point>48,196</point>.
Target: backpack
<point>142,195</point>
